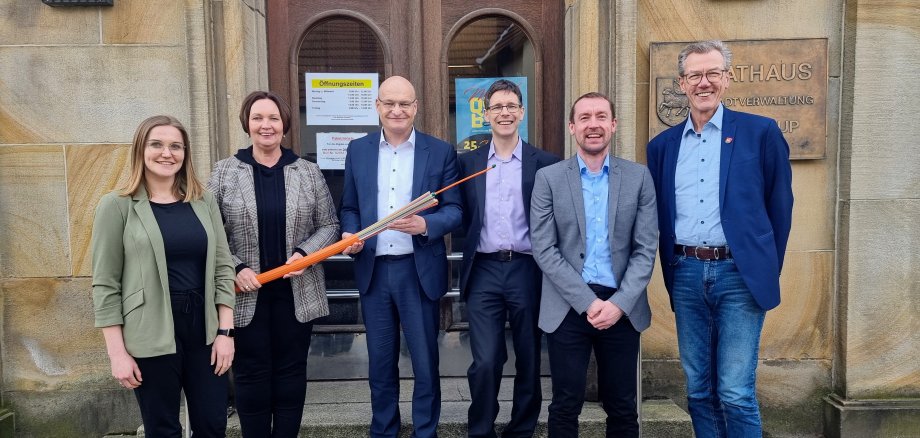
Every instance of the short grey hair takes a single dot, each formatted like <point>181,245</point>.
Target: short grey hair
<point>703,47</point>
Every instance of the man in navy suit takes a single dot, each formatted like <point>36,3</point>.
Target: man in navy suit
<point>499,278</point>
<point>724,187</point>
<point>402,272</point>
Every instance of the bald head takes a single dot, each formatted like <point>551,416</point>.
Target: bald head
<point>396,85</point>
<point>396,104</point>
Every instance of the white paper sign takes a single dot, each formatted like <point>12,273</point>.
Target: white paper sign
<point>341,98</point>
<point>331,148</point>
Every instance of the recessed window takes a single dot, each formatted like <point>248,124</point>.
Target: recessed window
<point>487,48</point>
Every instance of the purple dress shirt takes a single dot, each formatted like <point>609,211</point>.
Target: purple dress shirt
<point>504,225</point>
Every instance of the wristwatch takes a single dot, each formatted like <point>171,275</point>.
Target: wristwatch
<point>226,332</point>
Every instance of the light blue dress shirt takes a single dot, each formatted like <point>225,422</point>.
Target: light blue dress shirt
<point>598,268</point>
<point>696,183</point>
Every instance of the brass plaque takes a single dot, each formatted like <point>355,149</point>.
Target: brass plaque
<point>785,80</point>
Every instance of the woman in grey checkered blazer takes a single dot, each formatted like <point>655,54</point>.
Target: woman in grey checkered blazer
<point>276,209</point>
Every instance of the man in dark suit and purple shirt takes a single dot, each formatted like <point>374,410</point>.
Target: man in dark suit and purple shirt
<point>499,279</point>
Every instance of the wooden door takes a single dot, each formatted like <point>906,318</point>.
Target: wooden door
<point>436,44</point>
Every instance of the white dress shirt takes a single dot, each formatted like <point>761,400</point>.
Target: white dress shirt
<point>395,165</point>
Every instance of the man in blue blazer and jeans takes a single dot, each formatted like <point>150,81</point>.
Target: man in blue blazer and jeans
<point>724,188</point>
<point>402,272</point>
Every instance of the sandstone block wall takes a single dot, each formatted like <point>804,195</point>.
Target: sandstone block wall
<point>879,208</point>
<point>74,84</point>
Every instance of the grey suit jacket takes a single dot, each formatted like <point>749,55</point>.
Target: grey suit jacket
<point>558,236</point>
<point>311,224</point>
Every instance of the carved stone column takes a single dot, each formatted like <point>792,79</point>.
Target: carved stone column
<point>600,44</point>
<point>876,371</point>
<point>237,65</point>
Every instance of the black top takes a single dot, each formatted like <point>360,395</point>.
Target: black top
<point>185,242</point>
<point>268,183</point>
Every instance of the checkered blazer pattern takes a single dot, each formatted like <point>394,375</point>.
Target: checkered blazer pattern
<point>311,224</point>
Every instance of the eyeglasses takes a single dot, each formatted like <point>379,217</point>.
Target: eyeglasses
<point>711,76</point>
<point>511,107</point>
<point>391,105</point>
<point>173,147</point>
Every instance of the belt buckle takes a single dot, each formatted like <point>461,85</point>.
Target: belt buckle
<point>696,252</point>
<point>504,255</point>
<point>715,253</point>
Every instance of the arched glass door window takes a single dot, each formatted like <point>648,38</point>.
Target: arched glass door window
<point>338,44</point>
<point>485,49</point>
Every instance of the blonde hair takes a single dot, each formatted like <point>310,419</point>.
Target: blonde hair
<point>186,186</point>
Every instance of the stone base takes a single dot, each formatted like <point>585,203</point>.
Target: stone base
<point>7,423</point>
<point>89,413</point>
<point>871,418</point>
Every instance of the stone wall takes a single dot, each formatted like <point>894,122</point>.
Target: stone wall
<point>879,205</point>
<point>876,376</point>
<point>74,84</point>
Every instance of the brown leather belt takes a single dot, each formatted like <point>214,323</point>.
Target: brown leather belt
<point>704,252</point>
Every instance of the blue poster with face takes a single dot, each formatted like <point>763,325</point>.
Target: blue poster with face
<point>473,128</point>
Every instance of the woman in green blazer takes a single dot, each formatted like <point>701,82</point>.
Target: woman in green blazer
<point>163,285</point>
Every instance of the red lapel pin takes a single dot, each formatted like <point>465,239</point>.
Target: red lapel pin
<point>728,139</point>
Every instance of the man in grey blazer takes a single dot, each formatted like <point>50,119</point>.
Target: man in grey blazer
<point>594,235</point>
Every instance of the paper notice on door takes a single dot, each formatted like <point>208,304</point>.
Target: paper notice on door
<point>341,98</point>
<point>331,148</point>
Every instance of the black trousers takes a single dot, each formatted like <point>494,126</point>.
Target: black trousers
<point>504,291</point>
<point>189,369</point>
<point>616,350</point>
<point>270,366</point>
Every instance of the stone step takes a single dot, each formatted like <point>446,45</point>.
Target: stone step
<point>342,409</point>
<point>660,418</point>
<point>335,409</point>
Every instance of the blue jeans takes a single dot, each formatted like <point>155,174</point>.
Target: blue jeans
<point>718,332</point>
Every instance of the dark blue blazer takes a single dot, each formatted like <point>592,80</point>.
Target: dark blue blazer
<point>435,167</point>
<point>474,197</point>
<point>755,199</point>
